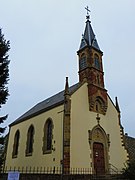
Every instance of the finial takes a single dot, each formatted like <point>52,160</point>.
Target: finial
<point>117,104</point>
<point>66,87</point>
<point>88,15</point>
<point>98,119</point>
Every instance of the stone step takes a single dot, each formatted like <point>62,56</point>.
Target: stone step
<point>108,177</point>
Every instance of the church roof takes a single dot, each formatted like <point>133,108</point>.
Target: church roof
<point>130,146</point>
<point>89,39</point>
<point>45,105</point>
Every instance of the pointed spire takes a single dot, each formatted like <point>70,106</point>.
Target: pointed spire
<point>117,104</point>
<point>66,87</point>
<point>67,101</point>
<point>89,38</point>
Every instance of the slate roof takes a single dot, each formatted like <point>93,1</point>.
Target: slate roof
<point>89,38</point>
<point>46,105</point>
<point>130,146</point>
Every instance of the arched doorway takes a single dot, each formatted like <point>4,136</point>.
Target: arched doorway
<point>99,145</point>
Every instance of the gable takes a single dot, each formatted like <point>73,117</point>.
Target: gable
<point>112,103</point>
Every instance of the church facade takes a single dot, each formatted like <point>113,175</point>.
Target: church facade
<point>79,127</point>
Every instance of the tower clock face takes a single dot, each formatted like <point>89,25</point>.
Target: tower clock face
<point>83,63</point>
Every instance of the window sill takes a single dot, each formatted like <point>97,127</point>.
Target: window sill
<point>28,154</point>
<point>47,152</point>
<point>14,156</point>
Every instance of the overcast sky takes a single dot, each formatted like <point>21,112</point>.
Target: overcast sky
<point>44,37</point>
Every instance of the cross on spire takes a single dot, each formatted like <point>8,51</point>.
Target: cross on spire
<point>88,11</point>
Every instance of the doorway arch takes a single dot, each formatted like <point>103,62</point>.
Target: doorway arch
<point>99,145</point>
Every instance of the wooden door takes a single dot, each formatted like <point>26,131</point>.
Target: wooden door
<point>99,160</point>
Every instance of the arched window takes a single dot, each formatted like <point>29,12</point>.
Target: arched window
<point>82,62</point>
<point>98,80</point>
<point>16,144</point>
<point>47,140</point>
<point>30,140</point>
<point>99,103</point>
<point>96,62</point>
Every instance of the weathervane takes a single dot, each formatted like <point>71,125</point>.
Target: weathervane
<point>88,11</point>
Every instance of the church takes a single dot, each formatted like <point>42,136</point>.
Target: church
<point>78,127</point>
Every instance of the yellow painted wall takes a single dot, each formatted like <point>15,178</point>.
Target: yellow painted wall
<point>83,120</point>
<point>38,159</point>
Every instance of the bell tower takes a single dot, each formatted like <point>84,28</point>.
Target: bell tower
<point>91,69</point>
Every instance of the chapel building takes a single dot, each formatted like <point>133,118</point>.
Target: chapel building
<point>79,127</point>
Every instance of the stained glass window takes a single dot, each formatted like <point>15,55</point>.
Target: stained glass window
<point>47,140</point>
<point>30,140</point>
<point>16,144</point>
<point>49,136</point>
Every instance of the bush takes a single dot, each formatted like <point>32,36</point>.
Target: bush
<point>129,171</point>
